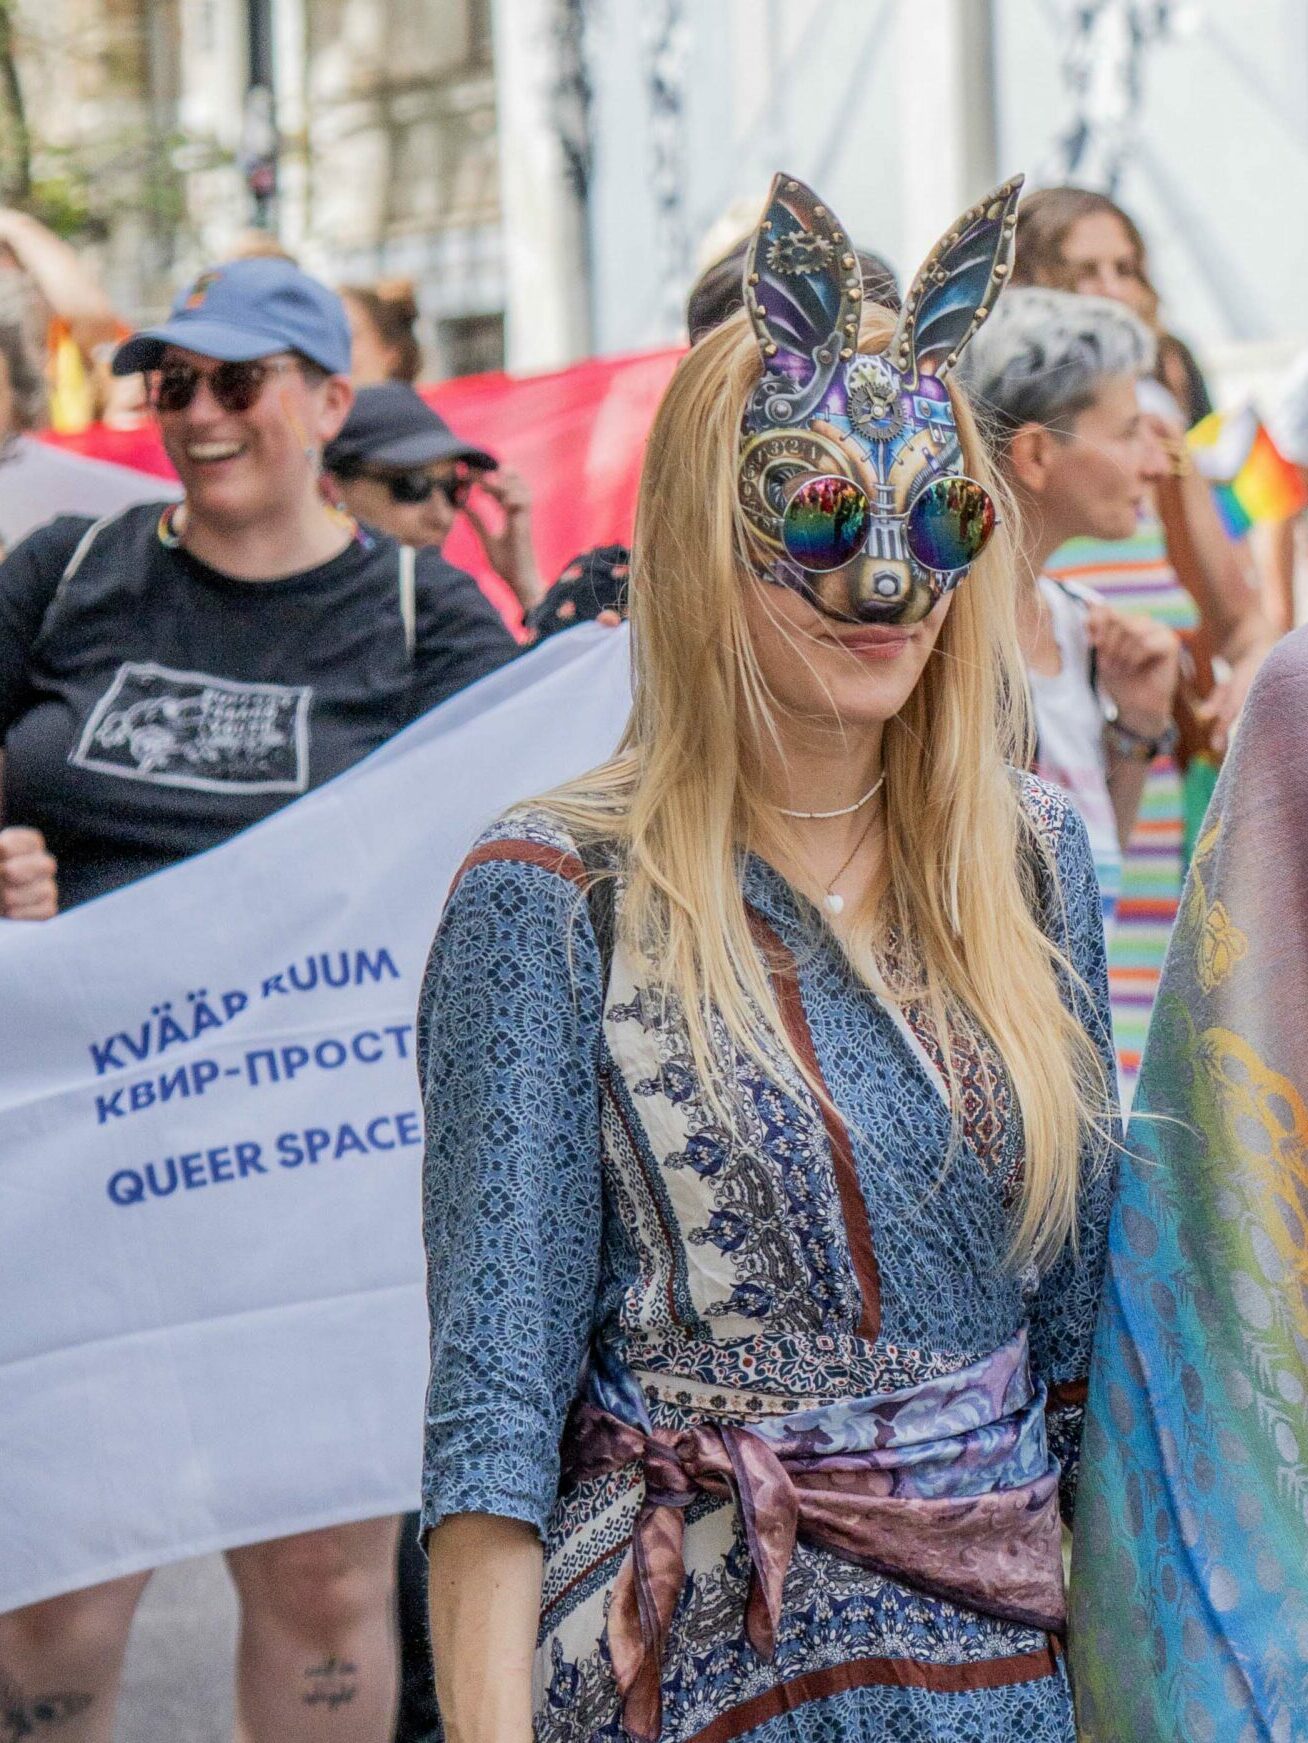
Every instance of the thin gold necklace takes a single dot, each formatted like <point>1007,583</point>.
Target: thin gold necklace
<point>832,901</point>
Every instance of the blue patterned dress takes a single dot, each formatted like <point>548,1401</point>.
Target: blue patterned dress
<point>582,1203</point>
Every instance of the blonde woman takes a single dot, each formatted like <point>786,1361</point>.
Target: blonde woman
<point>767,1083</point>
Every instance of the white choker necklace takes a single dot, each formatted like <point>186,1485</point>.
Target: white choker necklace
<point>844,810</point>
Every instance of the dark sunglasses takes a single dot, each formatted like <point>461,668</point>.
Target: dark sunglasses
<point>415,487</point>
<point>827,521</point>
<point>235,386</point>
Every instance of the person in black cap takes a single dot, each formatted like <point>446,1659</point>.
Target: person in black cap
<point>167,677</point>
<point>398,466</point>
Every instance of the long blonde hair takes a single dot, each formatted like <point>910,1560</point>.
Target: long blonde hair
<point>684,794</point>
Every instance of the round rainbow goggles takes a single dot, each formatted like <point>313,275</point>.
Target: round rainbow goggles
<point>851,475</point>
<point>827,520</point>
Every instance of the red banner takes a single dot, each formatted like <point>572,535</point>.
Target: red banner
<point>577,437</point>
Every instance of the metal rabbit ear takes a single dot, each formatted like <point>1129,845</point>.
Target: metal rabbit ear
<point>803,289</point>
<point>956,286</point>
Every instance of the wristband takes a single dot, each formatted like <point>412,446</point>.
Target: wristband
<point>1137,747</point>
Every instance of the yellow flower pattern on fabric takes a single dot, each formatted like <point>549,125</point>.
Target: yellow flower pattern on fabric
<point>1207,842</point>
<point>1189,1584</point>
<point>1219,942</point>
<point>1265,1125</point>
<point>1221,945</point>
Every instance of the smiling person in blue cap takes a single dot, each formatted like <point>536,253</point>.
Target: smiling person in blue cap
<point>169,676</point>
<point>251,581</point>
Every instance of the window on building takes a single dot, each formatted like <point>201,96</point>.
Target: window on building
<point>471,344</point>
<point>479,33</point>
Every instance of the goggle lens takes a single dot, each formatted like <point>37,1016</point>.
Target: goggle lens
<point>825,523</point>
<point>949,524</point>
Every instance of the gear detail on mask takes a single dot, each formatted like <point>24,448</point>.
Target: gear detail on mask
<point>851,477</point>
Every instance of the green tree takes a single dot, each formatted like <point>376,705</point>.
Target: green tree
<point>15,132</point>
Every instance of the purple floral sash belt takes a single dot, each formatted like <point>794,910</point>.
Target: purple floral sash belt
<point>947,1486</point>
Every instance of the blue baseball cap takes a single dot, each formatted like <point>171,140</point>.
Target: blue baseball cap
<point>246,309</point>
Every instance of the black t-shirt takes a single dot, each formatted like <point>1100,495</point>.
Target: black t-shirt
<point>150,706</point>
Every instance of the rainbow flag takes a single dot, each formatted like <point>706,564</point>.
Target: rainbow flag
<point>1252,480</point>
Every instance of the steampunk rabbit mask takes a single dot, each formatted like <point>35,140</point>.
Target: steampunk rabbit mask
<point>851,474</point>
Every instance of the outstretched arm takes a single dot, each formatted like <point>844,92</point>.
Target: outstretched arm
<point>71,290</point>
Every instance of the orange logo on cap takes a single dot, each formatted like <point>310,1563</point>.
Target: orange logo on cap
<point>200,289</point>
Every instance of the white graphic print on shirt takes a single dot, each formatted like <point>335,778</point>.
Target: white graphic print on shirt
<point>187,729</point>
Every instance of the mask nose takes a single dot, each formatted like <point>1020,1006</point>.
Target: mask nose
<point>887,592</point>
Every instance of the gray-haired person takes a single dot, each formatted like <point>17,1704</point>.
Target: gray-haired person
<point>1054,377</point>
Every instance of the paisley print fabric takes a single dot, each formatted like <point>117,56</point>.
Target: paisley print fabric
<point>591,1224</point>
<point>1190,1565</point>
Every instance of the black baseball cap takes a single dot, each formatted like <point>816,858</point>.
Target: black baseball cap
<point>391,426</point>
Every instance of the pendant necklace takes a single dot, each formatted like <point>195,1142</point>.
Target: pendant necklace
<point>833,901</point>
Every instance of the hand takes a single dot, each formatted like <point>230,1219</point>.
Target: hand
<point>606,620</point>
<point>1222,706</point>
<point>1139,664</point>
<point>509,550</point>
<point>18,232</point>
<point>27,876</point>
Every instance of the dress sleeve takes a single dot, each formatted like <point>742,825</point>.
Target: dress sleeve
<point>29,579</point>
<point>460,635</point>
<point>508,1047</point>
<point>1063,1315</point>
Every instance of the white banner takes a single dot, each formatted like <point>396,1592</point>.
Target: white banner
<point>212,1325</point>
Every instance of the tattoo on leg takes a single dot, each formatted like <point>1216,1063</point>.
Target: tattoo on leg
<point>331,1684</point>
<point>23,1716</point>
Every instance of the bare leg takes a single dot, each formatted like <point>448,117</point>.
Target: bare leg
<point>61,1662</point>
<point>317,1660</point>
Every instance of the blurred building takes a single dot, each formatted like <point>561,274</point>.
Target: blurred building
<point>88,102</point>
<point>550,173</point>
<point>1194,112</point>
<point>363,134</point>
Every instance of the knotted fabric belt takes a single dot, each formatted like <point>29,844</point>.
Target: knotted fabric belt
<point>947,1487</point>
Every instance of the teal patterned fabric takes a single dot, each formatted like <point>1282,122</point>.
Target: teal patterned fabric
<point>1190,1563</point>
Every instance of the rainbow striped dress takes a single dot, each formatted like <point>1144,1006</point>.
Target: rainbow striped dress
<point>1135,575</point>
